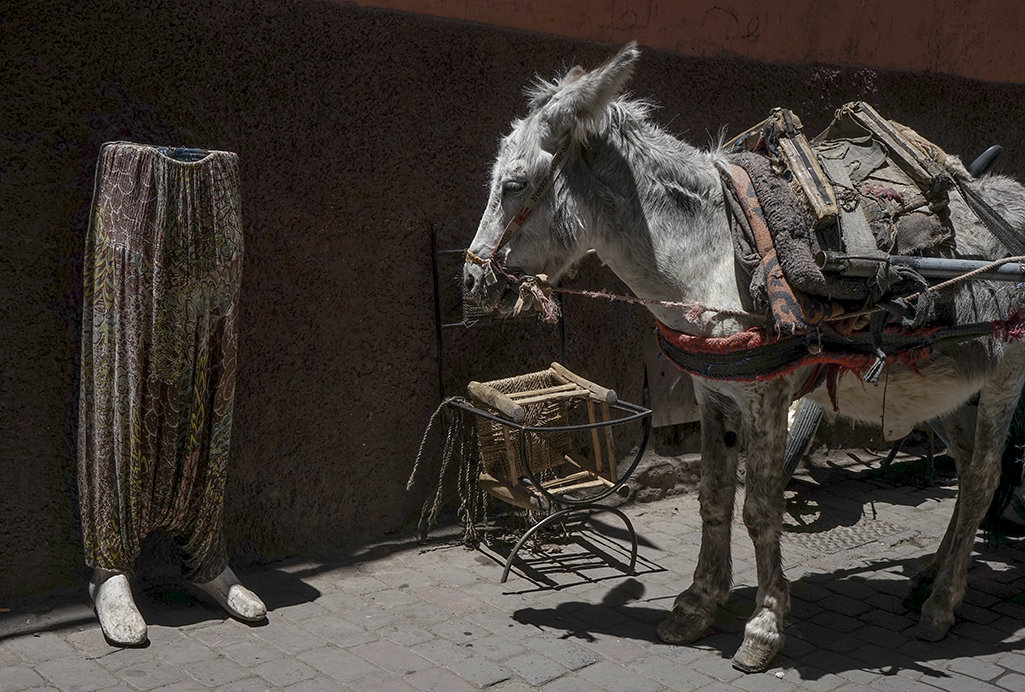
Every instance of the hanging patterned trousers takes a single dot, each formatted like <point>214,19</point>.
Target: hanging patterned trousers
<point>162,269</point>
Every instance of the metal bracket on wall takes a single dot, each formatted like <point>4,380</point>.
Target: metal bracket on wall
<point>471,315</point>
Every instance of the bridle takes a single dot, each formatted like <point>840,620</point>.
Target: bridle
<point>490,263</point>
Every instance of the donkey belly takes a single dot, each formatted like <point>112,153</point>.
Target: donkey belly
<point>905,397</point>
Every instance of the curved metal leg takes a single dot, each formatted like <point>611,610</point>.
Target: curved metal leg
<point>556,516</point>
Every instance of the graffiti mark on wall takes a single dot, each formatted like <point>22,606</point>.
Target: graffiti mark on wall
<point>726,22</point>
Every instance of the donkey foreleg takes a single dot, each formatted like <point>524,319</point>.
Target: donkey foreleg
<point>977,476</point>
<point>694,609</point>
<point>763,516</point>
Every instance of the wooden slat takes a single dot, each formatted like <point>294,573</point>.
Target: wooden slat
<point>555,396</point>
<point>595,440</point>
<point>611,445</point>
<point>530,393</point>
<point>496,399</point>
<point>587,484</point>
<point>598,391</point>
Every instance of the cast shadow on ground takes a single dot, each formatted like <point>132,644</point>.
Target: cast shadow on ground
<point>817,503</point>
<point>599,552</point>
<point>162,600</point>
<point>819,642</point>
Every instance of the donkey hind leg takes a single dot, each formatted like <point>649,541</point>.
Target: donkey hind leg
<point>977,478</point>
<point>763,516</point>
<point>959,427</point>
<point>694,609</point>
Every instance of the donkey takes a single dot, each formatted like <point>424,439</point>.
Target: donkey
<point>653,209</point>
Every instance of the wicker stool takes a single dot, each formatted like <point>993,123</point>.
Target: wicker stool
<point>524,427</point>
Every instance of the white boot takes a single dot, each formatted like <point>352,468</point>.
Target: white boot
<point>120,619</point>
<point>239,601</point>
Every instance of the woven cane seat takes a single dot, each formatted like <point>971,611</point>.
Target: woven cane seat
<point>550,465</point>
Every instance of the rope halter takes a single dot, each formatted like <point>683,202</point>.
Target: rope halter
<point>520,218</point>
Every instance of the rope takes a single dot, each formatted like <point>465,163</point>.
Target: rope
<point>943,286</point>
<point>460,440</point>
<point>693,309</point>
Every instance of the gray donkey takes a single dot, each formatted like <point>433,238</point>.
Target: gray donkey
<point>587,169</point>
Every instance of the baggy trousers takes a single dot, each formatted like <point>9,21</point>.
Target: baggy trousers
<point>162,270</point>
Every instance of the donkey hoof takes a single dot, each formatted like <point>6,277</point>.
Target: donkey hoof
<point>681,627</point>
<point>756,653</point>
<point>933,629</point>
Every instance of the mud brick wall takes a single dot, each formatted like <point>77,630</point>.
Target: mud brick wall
<point>358,130</point>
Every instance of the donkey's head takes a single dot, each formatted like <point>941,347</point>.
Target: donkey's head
<point>532,224</point>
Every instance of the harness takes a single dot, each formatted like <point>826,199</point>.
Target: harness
<point>786,209</point>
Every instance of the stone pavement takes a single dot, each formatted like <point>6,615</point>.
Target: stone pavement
<point>402,616</point>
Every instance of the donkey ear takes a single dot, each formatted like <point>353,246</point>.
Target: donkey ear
<point>582,96</point>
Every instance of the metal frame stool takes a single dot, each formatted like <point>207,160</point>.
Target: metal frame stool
<point>524,427</point>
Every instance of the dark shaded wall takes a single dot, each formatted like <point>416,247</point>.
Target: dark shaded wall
<point>358,131</point>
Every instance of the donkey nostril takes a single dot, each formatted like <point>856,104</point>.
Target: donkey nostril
<point>469,282</point>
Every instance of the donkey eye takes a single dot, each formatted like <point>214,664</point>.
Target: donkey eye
<point>513,186</point>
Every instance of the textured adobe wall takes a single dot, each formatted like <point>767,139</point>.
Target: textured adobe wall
<point>981,40</point>
<point>358,129</point>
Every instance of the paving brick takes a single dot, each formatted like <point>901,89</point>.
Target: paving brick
<point>962,684</point>
<point>315,632</point>
<point>480,671</point>
<point>898,683</point>
<point>36,648</point>
<point>768,681</point>
<point>441,651</point>
<point>19,678</point>
<point>565,651</point>
<point>669,673</point>
<point>612,648</point>
<point>151,675</point>
<point>1012,681</point>
<point>514,686</point>
<point>449,599</point>
<point>461,631</point>
<point>974,668</point>
<point>319,684</point>
<point>381,682</point>
<point>301,611</point>
<point>611,676</point>
<point>337,663</point>
<point>397,659</point>
<point>283,672</point>
<point>404,634</point>
<point>252,653</point>
<point>250,684</point>
<point>570,683</point>
<point>812,678</point>
<point>218,671</point>
<point>393,598</point>
<point>717,667</point>
<point>438,680</point>
<point>372,617</point>
<point>363,584</point>
<point>76,674</point>
<point>186,651</point>
<point>222,633</point>
<point>424,614</point>
<point>880,636</point>
<point>495,647</point>
<point>536,669</point>
<point>1013,660</point>
<point>974,613</point>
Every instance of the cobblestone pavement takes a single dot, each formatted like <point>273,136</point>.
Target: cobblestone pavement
<point>403,616</point>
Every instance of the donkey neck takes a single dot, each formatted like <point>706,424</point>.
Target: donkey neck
<point>660,224</point>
